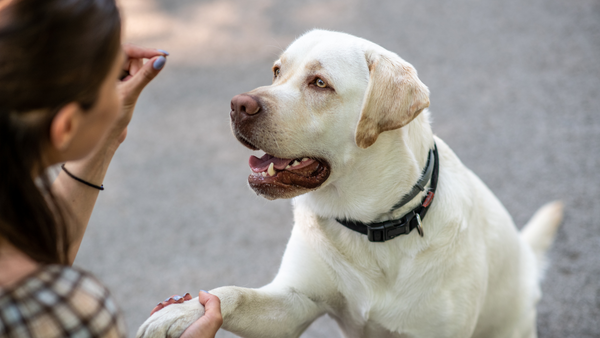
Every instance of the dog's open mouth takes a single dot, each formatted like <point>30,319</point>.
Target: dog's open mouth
<point>275,177</point>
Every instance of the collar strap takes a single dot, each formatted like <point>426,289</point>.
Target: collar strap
<point>420,185</point>
<point>386,230</point>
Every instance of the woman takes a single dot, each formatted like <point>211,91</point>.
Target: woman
<point>67,94</point>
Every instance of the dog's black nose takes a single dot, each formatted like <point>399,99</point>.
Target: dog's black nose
<point>244,104</point>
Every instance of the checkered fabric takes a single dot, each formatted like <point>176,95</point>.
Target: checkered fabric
<point>59,301</point>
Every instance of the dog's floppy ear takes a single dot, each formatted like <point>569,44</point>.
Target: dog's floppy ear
<point>394,97</point>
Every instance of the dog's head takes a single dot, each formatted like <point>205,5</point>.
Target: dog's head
<point>332,95</point>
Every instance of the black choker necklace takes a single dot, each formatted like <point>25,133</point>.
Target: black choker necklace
<point>386,230</point>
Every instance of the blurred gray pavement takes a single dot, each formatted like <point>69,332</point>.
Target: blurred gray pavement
<point>515,91</point>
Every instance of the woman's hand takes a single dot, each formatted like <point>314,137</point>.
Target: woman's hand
<point>136,75</point>
<point>207,325</point>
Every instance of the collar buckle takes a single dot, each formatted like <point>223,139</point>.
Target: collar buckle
<point>384,231</point>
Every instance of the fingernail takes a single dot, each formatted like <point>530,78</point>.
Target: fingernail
<point>158,304</point>
<point>159,63</point>
<point>163,51</point>
<point>204,291</point>
<point>186,294</point>
<point>168,299</point>
<point>176,298</point>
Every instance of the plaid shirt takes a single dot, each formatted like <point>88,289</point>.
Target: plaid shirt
<point>59,301</point>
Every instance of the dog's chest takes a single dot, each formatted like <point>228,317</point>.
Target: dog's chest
<point>385,288</point>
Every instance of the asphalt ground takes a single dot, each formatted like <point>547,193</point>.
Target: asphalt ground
<point>515,90</point>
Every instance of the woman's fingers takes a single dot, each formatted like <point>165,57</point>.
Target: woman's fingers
<point>158,307</point>
<point>135,83</point>
<point>136,52</point>
<point>175,299</point>
<point>137,74</point>
<point>187,296</point>
<point>134,59</point>
<point>132,66</point>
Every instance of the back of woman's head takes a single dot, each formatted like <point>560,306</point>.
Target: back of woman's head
<point>52,53</point>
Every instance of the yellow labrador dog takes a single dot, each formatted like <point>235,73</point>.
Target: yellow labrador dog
<point>393,235</point>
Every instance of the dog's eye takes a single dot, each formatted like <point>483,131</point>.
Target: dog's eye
<point>320,83</point>
<point>276,72</point>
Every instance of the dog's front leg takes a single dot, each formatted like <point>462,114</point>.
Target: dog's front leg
<point>302,291</point>
<point>271,311</point>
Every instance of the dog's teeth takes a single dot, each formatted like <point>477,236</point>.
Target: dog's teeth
<point>295,163</point>
<point>305,159</point>
<point>264,173</point>
<point>288,167</point>
<point>271,169</point>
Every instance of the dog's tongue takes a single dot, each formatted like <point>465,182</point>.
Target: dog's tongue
<point>262,164</point>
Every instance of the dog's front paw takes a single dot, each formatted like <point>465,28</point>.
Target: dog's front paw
<point>172,320</point>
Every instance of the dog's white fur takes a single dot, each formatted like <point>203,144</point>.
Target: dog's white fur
<point>472,274</point>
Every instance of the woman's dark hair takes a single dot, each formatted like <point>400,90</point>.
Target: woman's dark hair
<point>52,52</point>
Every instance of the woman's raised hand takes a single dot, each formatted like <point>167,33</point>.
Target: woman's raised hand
<point>136,75</point>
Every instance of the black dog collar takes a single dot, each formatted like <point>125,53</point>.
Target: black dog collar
<point>386,230</point>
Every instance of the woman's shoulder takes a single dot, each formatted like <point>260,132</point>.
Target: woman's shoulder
<point>59,301</point>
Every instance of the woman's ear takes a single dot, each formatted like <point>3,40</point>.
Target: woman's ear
<point>64,126</point>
